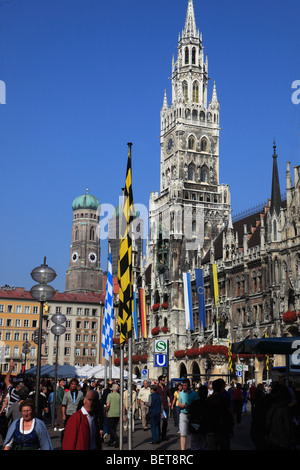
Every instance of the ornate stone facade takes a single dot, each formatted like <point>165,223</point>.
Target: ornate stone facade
<point>257,256</point>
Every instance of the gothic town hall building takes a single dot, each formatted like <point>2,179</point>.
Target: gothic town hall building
<point>257,256</point>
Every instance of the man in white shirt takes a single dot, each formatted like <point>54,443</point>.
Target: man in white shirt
<point>143,397</point>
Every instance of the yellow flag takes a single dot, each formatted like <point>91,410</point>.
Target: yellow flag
<point>125,275</point>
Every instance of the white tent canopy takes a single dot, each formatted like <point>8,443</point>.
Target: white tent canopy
<point>67,371</point>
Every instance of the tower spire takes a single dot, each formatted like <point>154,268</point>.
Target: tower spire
<point>190,29</point>
<point>275,195</point>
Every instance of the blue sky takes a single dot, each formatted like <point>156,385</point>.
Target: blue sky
<point>84,77</point>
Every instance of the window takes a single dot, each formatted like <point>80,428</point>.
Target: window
<point>34,323</point>
<point>94,325</point>
<point>79,311</point>
<point>191,143</point>
<point>86,312</point>
<point>36,310</point>
<point>19,309</point>
<point>186,55</point>
<point>78,337</point>
<point>67,337</point>
<point>1,308</point>
<point>78,324</point>
<point>93,338</point>
<point>16,351</point>
<point>69,310</point>
<point>195,92</point>
<point>67,351</point>
<point>203,145</point>
<point>58,310</point>
<point>94,312</point>
<point>9,308</point>
<point>1,321</point>
<point>26,323</point>
<point>86,324</point>
<point>27,309</point>
<point>68,324</point>
<point>204,174</point>
<point>185,90</point>
<point>77,352</point>
<point>92,234</point>
<point>93,352</point>
<point>7,336</point>
<point>17,336</point>
<point>86,338</point>
<point>18,322</point>
<point>9,322</point>
<point>85,352</point>
<point>191,172</point>
<point>33,351</point>
<point>193,55</point>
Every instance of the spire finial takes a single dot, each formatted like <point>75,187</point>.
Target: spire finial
<point>274,147</point>
<point>190,22</point>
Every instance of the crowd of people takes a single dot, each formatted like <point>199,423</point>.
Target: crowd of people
<point>87,414</point>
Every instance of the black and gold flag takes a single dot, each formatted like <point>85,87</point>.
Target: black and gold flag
<point>125,275</point>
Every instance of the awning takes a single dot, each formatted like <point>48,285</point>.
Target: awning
<point>282,345</point>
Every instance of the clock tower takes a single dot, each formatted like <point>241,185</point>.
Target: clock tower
<point>192,207</point>
<point>84,273</point>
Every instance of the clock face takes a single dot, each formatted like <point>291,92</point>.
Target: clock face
<point>74,257</point>
<point>170,143</point>
<point>92,257</point>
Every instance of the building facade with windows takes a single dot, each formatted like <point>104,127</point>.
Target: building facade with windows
<point>256,256</point>
<point>79,345</point>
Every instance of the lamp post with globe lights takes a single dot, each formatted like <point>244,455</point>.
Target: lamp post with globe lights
<point>41,292</point>
<point>57,329</point>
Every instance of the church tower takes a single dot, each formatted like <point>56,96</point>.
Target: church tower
<point>192,207</point>
<point>84,273</point>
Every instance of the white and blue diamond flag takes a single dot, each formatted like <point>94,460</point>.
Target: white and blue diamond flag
<point>107,332</point>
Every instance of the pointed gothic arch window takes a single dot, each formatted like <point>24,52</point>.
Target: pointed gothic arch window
<point>92,233</point>
<point>191,142</point>
<point>204,174</point>
<point>186,55</point>
<point>204,145</point>
<point>196,92</point>
<point>185,90</point>
<point>191,172</point>
<point>193,55</point>
<point>76,234</point>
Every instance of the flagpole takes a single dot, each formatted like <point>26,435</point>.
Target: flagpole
<point>126,296</point>
<point>129,395</point>
<point>121,394</point>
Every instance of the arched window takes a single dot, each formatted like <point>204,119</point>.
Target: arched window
<point>185,90</point>
<point>76,234</point>
<point>186,55</point>
<point>195,92</point>
<point>92,233</point>
<point>191,143</point>
<point>204,145</point>
<point>204,174</point>
<point>193,55</point>
<point>191,172</point>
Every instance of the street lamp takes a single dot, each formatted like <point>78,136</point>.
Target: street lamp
<point>42,293</point>
<point>57,329</point>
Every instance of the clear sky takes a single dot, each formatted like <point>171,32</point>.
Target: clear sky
<point>84,77</point>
